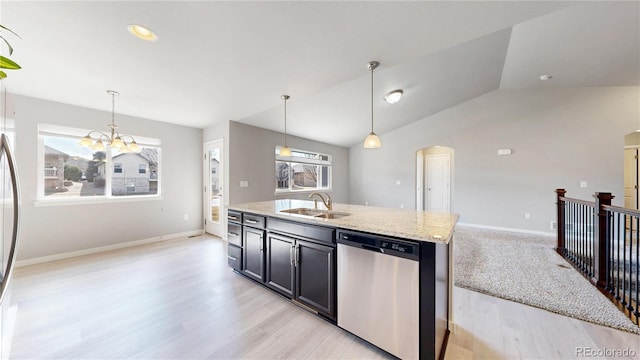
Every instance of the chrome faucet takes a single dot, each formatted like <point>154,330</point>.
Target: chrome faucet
<point>327,202</point>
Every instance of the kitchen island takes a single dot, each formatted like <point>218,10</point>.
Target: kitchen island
<point>383,274</point>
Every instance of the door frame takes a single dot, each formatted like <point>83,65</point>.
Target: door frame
<point>206,188</point>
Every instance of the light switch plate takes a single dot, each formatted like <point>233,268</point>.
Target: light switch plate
<point>244,183</point>
<point>583,184</point>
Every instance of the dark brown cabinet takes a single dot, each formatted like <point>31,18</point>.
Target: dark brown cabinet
<point>280,274</point>
<point>301,268</point>
<point>253,260</point>
<point>315,277</point>
<point>234,239</point>
<point>254,246</point>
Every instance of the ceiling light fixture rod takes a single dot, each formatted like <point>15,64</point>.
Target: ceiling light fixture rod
<point>372,141</point>
<point>285,151</point>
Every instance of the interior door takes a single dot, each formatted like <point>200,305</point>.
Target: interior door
<point>631,178</point>
<point>213,188</point>
<point>438,182</point>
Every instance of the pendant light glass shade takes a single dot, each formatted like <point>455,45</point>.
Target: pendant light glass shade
<point>372,140</point>
<point>285,151</point>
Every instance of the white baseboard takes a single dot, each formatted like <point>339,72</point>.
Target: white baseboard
<point>498,228</point>
<point>44,259</point>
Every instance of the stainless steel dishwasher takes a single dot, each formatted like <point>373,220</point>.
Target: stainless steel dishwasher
<point>378,291</point>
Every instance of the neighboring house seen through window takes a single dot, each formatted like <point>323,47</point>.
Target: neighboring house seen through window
<point>72,171</point>
<point>302,171</point>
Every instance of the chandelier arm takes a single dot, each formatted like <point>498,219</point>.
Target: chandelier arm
<point>101,134</point>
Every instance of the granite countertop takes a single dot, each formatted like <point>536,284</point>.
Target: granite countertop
<point>416,225</point>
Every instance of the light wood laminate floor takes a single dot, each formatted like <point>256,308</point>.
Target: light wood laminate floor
<point>178,300</point>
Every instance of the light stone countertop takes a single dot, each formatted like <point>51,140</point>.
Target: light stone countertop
<point>436,227</point>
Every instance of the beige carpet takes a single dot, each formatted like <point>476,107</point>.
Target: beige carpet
<point>525,268</point>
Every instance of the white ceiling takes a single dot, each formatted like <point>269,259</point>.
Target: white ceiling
<point>218,61</point>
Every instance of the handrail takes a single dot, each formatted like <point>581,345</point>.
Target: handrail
<point>622,210</point>
<point>600,241</point>
<point>578,201</point>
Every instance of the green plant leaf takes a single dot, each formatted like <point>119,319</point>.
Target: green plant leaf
<point>2,74</point>
<point>6,63</point>
<point>6,42</point>
<point>9,30</point>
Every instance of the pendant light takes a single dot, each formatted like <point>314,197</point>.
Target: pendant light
<point>114,138</point>
<point>285,151</point>
<point>372,141</point>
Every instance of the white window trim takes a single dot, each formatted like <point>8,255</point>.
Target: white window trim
<point>297,159</point>
<point>72,132</point>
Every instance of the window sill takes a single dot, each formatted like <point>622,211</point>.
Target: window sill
<point>93,201</point>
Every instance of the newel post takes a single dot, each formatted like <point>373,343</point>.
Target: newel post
<point>600,249</point>
<point>560,221</point>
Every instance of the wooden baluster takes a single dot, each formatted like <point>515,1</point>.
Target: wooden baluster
<point>560,206</point>
<point>600,256</point>
<point>637,283</point>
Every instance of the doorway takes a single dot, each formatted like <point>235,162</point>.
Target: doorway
<point>434,174</point>
<point>631,161</point>
<point>213,188</point>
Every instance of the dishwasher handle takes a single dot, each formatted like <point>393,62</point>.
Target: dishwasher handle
<point>372,248</point>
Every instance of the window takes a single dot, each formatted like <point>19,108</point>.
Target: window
<point>68,170</point>
<point>302,171</point>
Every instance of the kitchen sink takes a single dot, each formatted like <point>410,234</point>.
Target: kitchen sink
<point>332,215</point>
<point>303,211</point>
<point>321,214</point>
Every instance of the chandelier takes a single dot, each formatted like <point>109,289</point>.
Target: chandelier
<point>116,139</point>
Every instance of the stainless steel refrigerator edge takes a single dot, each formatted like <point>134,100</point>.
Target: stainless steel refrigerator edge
<point>9,222</point>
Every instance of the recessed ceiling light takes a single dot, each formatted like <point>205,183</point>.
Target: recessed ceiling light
<point>393,96</point>
<point>545,77</point>
<point>142,32</point>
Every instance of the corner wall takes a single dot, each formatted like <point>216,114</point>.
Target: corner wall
<point>559,137</point>
<point>54,230</point>
<point>252,159</point>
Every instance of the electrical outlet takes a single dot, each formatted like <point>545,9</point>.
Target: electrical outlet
<point>554,225</point>
<point>583,184</point>
<point>244,183</point>
<point>401,206</point>
<point>527,216</point>
<point>186,216</point>
<point>366,203</point>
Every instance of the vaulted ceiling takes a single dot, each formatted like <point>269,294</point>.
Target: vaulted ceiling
<point>219,61</point>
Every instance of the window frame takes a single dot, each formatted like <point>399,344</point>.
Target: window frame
<point>304,161</point>
<point>77,133</point>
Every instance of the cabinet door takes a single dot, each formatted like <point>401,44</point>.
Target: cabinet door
<point>280,266</point>
<point>253,257</point>
<point>315,277</point>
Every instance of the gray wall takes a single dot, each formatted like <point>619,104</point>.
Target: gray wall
<point>252,158</point>
<point>54,230</point>
<point>559,137</point>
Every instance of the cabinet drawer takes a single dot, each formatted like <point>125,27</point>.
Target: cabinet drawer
<point>255,221</point>
<point>312,232</point>
<point>234,257</point>
<point>234,216</point>
<point>234,234</point>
